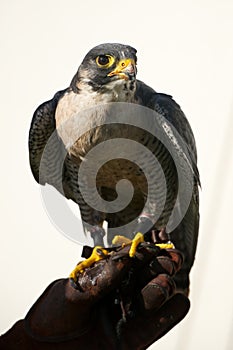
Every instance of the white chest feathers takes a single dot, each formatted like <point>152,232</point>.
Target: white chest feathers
<point>70,113</point>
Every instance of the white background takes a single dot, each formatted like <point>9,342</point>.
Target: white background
<point>185,48</point>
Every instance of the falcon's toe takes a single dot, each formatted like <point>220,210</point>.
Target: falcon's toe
<point>139,238</point>
<point>98,253</point>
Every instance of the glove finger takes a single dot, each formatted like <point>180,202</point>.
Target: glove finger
<point>167,262</point>
<point>157,292</point>
<point>141,332</point>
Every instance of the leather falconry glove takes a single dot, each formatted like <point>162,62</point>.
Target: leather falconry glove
<point>118,303</point>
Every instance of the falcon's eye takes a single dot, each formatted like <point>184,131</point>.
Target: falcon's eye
<point>105,61</point>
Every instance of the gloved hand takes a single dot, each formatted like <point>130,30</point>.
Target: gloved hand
<point>120,303</point>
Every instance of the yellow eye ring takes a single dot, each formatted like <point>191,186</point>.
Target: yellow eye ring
<point>105,61</point>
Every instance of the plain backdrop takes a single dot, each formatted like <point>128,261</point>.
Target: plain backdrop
<point>185,48</point>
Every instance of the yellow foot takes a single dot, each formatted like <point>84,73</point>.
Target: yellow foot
<point>139,238</point>
<point>121,240</point>
<point>168,245</point>
<point>98,253</point>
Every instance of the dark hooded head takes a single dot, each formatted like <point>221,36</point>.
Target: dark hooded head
<point>104,64</point>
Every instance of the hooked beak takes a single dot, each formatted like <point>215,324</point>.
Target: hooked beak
<point>126,69</point>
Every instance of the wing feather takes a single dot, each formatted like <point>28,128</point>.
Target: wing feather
<point>43,125</point>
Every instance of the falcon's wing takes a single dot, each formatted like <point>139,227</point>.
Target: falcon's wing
<point>186,234</point>
<point>43,126</point>
<point>166,106</point>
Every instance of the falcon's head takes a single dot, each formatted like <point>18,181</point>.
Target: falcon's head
<point>107,67</point>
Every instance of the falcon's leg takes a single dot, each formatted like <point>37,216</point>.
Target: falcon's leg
<point>97,234</point>
<point>92,225</point>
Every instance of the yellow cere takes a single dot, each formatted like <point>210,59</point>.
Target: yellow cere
<point>121,66</point>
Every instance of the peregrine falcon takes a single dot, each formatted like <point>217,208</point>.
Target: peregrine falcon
<point>107,77</point>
